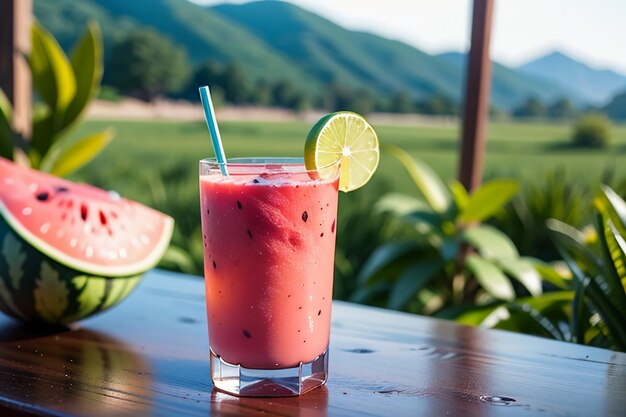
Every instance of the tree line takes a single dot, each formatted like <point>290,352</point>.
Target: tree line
<point>148,65</point>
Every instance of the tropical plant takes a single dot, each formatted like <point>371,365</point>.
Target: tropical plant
<point>556,196</point>
<point>589,306</point>
<point>453,262</point>
<point>64,86</point>
<point>361,229</point>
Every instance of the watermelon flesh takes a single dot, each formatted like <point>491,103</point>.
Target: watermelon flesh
<point>81,226</point>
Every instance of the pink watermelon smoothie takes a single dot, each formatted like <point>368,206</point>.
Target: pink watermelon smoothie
<point>269,246</point>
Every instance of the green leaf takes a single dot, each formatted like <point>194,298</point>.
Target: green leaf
<point>578,321</point>
<point>449,249</point>
<point>6,130</point>
<point>62,160</point>
<point>549,274</point>
<point>568,239</point>
<point>613,214</point>
<point>369,294</point>
<point>86,60</point>
<point>54,80</point>
<point>614,246</point>
<point>490,277</point>
<point>460,195</point>
<point>611,203</point>
<point>52,73</point>
<point>488,199</point>
<point>476,315</point>
<point>428,218</point>
<point>430,185</point>
<point>490,242</point>
<point>526,314</point>
<point>547,300</point>
<point>581,264</point>
<point>524,272</point>
<point>178,258</point>
<point>384,256</point>
<point>414,278</point>
<point>399,204</point>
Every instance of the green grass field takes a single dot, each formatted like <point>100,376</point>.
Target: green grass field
<point>157,163</point>
<point>519,150</point>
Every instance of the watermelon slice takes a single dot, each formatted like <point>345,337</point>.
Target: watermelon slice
<point>82,226</point>
<point>69,251</point>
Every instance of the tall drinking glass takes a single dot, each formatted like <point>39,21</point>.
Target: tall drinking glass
<point>269,244</point>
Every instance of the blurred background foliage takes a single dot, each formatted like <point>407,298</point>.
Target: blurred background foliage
<point>543,254</point>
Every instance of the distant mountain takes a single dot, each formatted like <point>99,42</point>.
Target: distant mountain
<point>509,87</point>
<point>616,108</point>
<point>329,52</point>
<point>596,85</point>
<point>277,40</point>
<point>202,32</point>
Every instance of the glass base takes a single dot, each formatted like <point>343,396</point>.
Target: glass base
<point>247,382</point>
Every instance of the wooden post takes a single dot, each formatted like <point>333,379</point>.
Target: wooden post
<point>15,81</point>
<point>478,88</point>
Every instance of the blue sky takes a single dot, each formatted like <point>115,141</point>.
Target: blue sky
<point>591,31</point>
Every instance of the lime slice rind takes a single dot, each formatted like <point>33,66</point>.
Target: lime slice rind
<point>343,138</point>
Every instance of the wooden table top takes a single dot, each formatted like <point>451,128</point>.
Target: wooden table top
<point>149,357</point>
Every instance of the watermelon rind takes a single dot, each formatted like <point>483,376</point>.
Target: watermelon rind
<point>36,288</point>
<point>135,268</point>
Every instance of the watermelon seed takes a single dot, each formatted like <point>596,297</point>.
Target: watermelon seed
<point>250,233</point>
<point>319,312</point>
<point>89,252</point>
<point>321,234</point>
<point>27,211</point>
<point>43,196</point>
<point>123,253</point>
<point>73,242</point>
<point>239,205</point>
<point>83,212</point>
<point>61,189</point>
<point>103,219</point>
<point>332,228</point>
<point>214,265</point>
<point>305,216</point>
<point>247,334</point>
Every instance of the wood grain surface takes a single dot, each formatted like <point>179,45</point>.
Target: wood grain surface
<point>149,357</point>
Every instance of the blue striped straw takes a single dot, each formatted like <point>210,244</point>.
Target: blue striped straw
<point>211,122</point>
